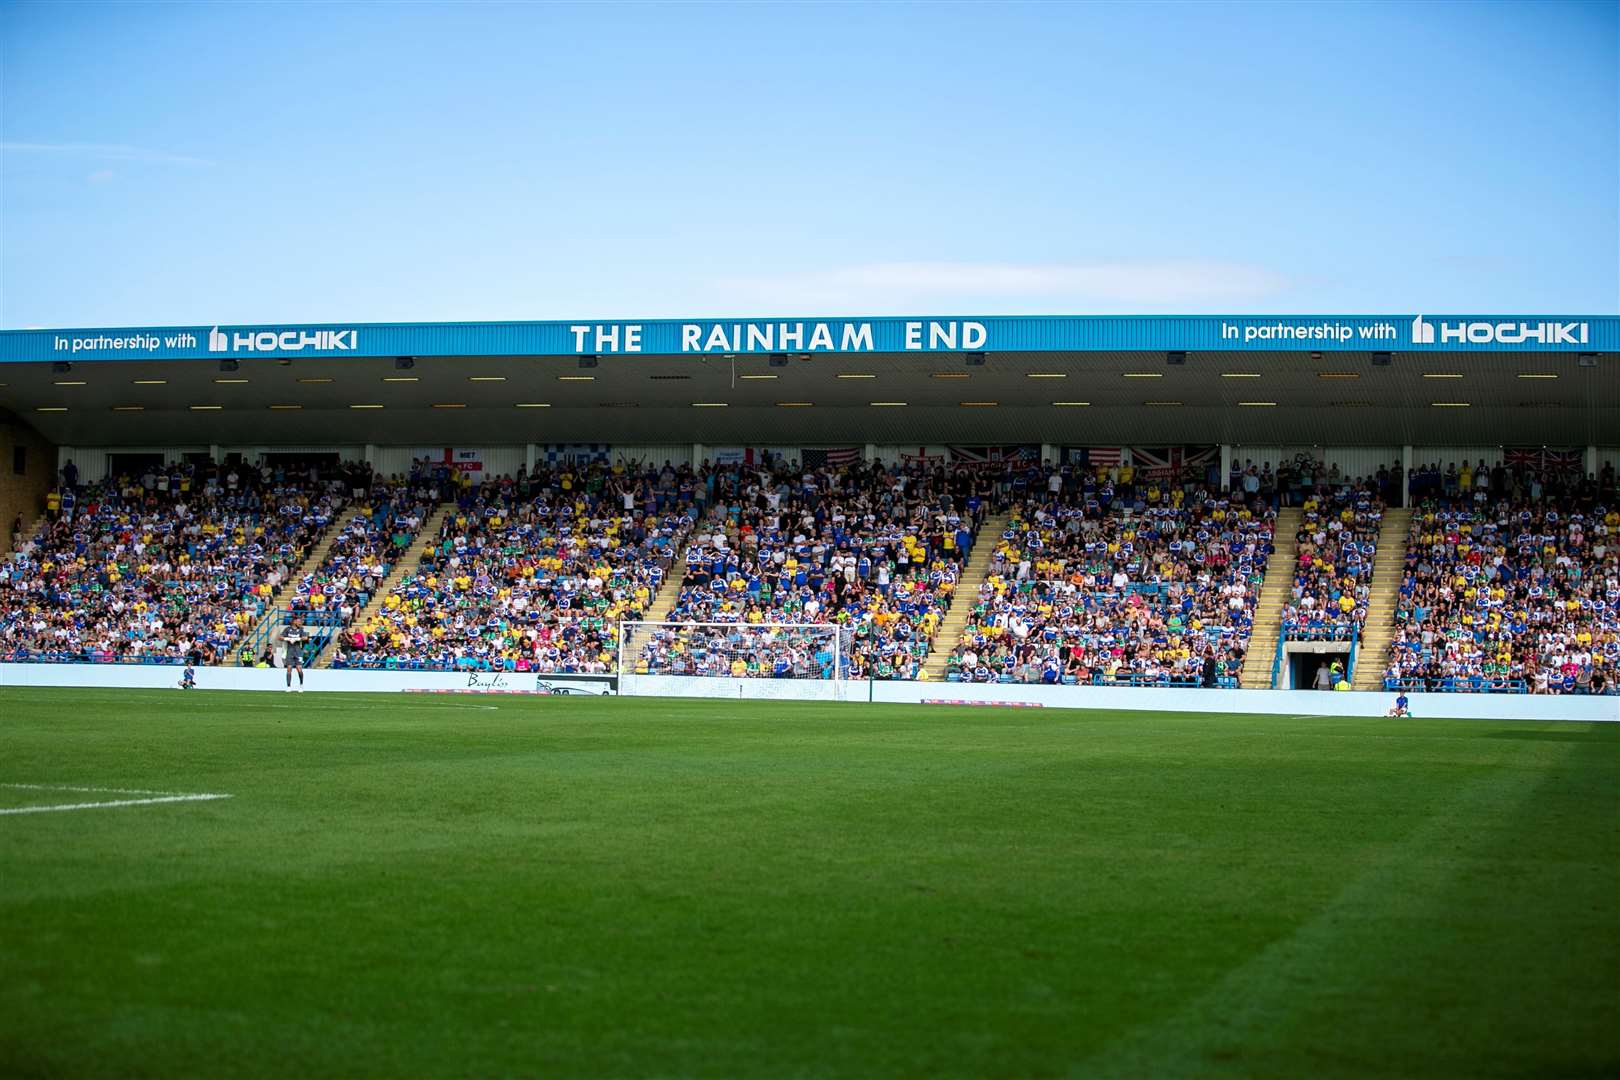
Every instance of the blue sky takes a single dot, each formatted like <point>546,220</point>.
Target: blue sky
<point>195,163</point>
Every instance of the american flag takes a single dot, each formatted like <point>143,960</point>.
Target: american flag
<point>576,453</point>
<point>1094,455</point>
<point>1163,461</point>
<point>993,457</point>
<point>815,457</point>
<point>1542,459</point>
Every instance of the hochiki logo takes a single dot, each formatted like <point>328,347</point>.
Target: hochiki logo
<point>282,340</point>
<point>1505,333</point>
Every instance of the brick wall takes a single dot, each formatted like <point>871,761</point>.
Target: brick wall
<point>24,494</point>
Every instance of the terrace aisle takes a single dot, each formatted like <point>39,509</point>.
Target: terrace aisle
<point>278,610</point>
<point>949,634</point>
<point>1372,655</point>
<point>405,564</point>
<point>1274,594</point>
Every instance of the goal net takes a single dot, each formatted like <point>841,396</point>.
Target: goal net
<point>815,652</point>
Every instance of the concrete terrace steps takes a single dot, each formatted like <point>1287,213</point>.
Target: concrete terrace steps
<point>419,546</point>
<point>663,602</point>
<point>30,531</point>
<point>317,554</point>
<point>1372,654</point>
<point>949,634</point>
<point>1274,594</point>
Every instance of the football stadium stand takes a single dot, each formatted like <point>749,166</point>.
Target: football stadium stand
<point>877,550</point>
<point>531,573</point>
<point>1177,501</point>
<point>1139,584</point>
<point>176,562</point>
<point>1511,585</point>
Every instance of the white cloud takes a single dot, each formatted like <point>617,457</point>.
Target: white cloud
<point>1075,287</point>
<point>103,151</point>
<point>101,176</point>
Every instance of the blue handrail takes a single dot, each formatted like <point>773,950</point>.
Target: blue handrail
<point>1276,661</point>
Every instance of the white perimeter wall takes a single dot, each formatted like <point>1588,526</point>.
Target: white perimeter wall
<point>1278,702</point>
<point>1353,461</point>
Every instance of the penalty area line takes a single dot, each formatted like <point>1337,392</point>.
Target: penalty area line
<point>105,805</point>
<point>153,798</point>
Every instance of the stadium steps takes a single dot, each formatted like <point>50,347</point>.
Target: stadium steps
<point>1274,593</point>
<point>949,634</point>
<point>31,530</point>
<point>316,556</point>
<point>419,546</point>
<point>1388,564</point>
<point>662,604</point>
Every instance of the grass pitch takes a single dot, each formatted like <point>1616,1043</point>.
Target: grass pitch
<point>500,886</point>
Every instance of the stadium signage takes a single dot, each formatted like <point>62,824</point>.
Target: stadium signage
<point>828,336</point>
<point>1507,333</point>
<point>1251,331</point>
<point>282,340</point>
<point>918,335</point>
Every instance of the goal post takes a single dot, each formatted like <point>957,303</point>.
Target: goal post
<point>820,653</point>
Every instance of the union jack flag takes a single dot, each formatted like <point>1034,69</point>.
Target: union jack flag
<point>993,457</point>
<point>1159,462</point>
<point>1543,459</point>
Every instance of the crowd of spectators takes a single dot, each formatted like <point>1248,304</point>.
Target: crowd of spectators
<point>871,549</point>
<point>1517,591</point>
<point>166,565</point>
<point>1147,582</point>
<point>531,573</point>
<point>1296,480</point>
<point>1338,538</point>
<point>385,520</point>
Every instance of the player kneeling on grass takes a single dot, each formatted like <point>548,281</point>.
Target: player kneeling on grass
<point>1400,708</point>
<point>188,678</point>
<point>292,639</point>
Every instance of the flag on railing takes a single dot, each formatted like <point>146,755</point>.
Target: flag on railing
<point>818,457</point>
<point>576,453</point>
<point>1543,459</point>
<point>994,457</point>
<point>1092,456</point>
<point>1160,462</point>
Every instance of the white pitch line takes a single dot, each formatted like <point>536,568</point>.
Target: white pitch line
<point>102,805</point>
<point>102,790</point>
<point>156,797</point>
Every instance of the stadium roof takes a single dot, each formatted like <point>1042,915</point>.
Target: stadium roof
<point>1369,380</point>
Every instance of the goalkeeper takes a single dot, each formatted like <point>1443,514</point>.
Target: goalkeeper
<point>292,642</point>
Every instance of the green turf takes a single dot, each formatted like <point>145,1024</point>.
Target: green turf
<point>604,887</point>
